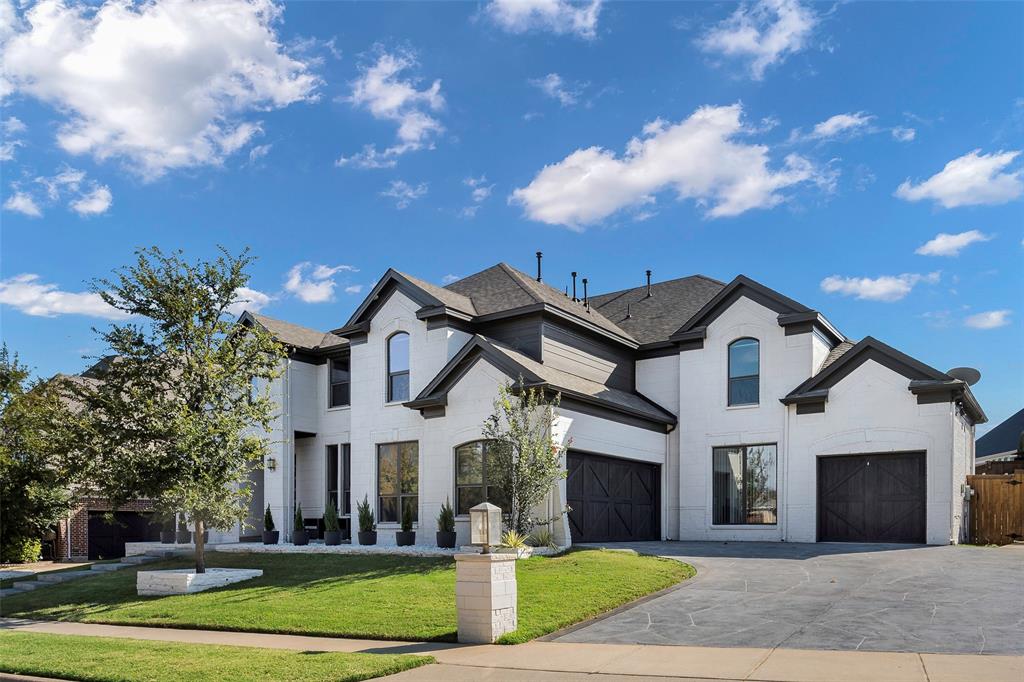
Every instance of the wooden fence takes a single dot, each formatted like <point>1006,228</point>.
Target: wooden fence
<point>997,508</point>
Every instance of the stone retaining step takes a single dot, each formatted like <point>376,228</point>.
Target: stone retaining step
<point>137,559</point>
<point>8,591</point>
<point>63,577</point>
<point>26,585</point>
<point>108,567</point>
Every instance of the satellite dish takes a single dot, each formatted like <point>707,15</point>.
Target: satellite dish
<point>968,375</point>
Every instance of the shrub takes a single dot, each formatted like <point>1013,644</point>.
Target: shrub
<point>268,520</point>
<point>167,523</point>
<point>20,550</point>
<point>406,518</point>
<point>366,521</point>
<point>331,519</point>
<point>543,538</point>
<point>182,526</point>
<point>446,519</point>
<point>513,539</point>
<point>299,523</point>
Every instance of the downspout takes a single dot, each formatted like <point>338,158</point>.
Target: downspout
<point>785,478</point>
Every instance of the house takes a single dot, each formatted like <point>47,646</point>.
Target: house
<point>694,409</point>
<point>1001,450</point>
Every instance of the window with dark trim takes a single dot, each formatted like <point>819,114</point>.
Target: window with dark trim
<point>340,379</point>
<point>398,367</point>
<point>471,478</point>
<point>398,480</point>
<point>744,372</point>
<point>339,467</point>
<point>743,485</point>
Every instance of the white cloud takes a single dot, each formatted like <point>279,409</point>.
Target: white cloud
<point>8,148</point>
<point>22,202</point>
<point>886,288</point>
<point>989,320</point>
<point>313,283</point>
<point>969,180</point>
<point>382,91</point>
<point>903,134</point>
<point>162,85</point>
<point>258,152</point>
<point>560,17</point>
<point>28,294</point>
<point>481,192</point>
<point>13,125</point>
<point>764,32</point>
<point>699,158</point>
<point>248,299</point>
<point>94,202</point>
<point>842,124</point>
<point>945,244</point>
<point>448,279</point>
<point>403,193</point>
<point>555,87</point>
<point>354,289</point>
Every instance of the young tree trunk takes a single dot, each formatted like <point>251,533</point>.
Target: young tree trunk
<point>200,546</point>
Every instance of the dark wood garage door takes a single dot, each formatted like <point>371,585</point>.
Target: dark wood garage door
<point>872,498</point>
<point>107,538</point>
<point>612,500</point>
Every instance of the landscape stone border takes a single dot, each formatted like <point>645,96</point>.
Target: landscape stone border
<point>187,581</point>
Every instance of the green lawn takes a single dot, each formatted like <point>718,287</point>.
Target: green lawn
<point>377,597</point>
<point>108,659</point>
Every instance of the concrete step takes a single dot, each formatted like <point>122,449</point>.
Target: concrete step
<point>137,559</point>
<point>108,567</point>
<point>62,577</point>
<point>8,591</point>
<point>26,585</point>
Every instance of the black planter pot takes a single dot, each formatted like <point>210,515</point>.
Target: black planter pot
<point>167,537</point>
<point>300,537</point>
<point>405,538</point>
<point>270,537</point>
<point>368,537</point>
<point>183,537</point>
<point>446,539</point>
<point>332,537</point>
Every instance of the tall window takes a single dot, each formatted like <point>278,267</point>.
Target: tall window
<point>744,485</point>
<point>398,367</point>
<point>339,467</point>
<point>471,484</point>
<point>744,371</point>
<point>398,480</point>
<point>340,381</point>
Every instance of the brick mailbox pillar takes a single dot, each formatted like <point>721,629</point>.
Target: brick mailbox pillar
<point>485,596</point>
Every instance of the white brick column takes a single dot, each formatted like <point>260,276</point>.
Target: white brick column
<point>486,596</point>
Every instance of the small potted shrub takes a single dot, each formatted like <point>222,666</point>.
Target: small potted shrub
<point>367,527</point>
<point>184,536</point>
<point>167,530</point>
<point>407,536</point>
<point>299,534</point>
<point>446,527</point>
<point>270,535</point>
<point>332,529</point>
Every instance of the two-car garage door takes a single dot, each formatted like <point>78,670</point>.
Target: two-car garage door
<point>611,499</point>
<point>872,498</point>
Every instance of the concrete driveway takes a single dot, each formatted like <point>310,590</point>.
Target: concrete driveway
<point>829,596</point>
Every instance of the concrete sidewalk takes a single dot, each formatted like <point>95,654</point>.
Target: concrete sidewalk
<point>599,662</point>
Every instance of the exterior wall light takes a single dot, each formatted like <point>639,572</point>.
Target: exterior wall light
<point>485,526</point>
<point>271,463</point>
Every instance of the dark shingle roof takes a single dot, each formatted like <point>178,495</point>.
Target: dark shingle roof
<point>670,305</point>
<point>1005,437</point>
<point>502,287</point>
<point>296,335</point>
<point>450,297</point>
<point>836,353</point>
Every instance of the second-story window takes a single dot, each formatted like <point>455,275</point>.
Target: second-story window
<point>398,367</point>
<point>340,383</point>
<point>744,372</point>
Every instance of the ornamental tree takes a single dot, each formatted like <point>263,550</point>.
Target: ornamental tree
<point>523,460</point>
<point>179,415</point>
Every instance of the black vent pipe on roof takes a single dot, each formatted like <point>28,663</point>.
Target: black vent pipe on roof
<point>574,287</point>
<point>586,300</point>
<point>539,256</point>
<point>649,294</point>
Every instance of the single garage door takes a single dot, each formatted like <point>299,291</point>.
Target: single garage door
<point>611,499</point>
<point>107,538</point>
<point>872,498</point>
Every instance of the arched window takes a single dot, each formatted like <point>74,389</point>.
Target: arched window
<point>471,478</point>
<point>744,372</point>
<point>398,367</point>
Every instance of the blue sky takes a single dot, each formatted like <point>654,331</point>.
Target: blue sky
<point>861,158</point>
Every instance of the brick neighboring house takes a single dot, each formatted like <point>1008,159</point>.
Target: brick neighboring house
<point>86,534</point>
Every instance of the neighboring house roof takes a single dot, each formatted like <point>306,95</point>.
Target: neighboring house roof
<point>502,288</point>
<point>654,318</point>
<point>1007,437</point>
<point>928,383</point>
<point>516,364</point>
<point>295,335</point>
